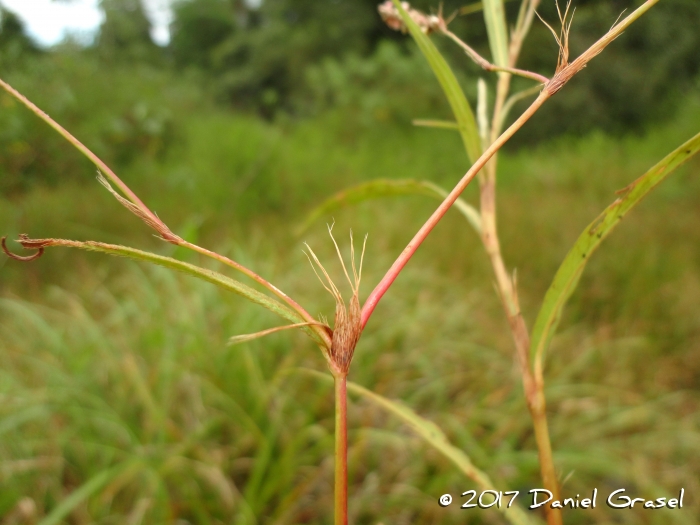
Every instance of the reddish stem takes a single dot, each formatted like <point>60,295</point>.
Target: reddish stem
<point>341,450</point>
<point>418,239</point>
<point>322,332</point>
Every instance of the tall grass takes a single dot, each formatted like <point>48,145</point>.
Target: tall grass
<point>160,435</point>
<point>72,361</point>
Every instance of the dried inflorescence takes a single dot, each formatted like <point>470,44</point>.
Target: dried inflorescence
<point>348,325</point>
<point>392,17</point>
<point>563,37</point>
<point>156,224</point>
<point>565,69</point>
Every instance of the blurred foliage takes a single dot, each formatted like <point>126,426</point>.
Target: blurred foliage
<point>123,113</point>
<point>125,32</point>
<point>198,29</point>
<point>259,56</point>
<point>639,79</point>
<point>391,85</point>
<point>15,45</point>
<point>108,364</point>
<point>293,59</point>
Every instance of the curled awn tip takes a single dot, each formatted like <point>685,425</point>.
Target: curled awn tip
<point>16,257</point>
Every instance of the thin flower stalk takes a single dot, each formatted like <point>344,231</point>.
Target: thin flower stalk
<point>346,334</point>
<point>401,261</point>
<point>138,208</point>
<point>341,451</point>
<point>488,66</point>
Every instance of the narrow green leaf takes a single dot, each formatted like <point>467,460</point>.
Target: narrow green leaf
<point>86,490</point>
<point>440,124</point>
<point>455,96</point>
<point>471,8</point>
<point>201,273</point>
<point>496,27</point>
<point>388,188</point>
<point>244,338</point>
<point>569,273</point>
<point>435,437</point>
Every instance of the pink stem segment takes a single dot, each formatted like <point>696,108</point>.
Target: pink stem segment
<point>438,214</point>
<point>341,450</point>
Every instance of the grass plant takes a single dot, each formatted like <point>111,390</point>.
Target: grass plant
<point>147,455</point>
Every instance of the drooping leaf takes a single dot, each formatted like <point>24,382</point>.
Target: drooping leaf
<point>201,273</point>
<point>495,17</point>
<point>388,188</point>
<point>435,437</point>
<point>455,96</point>
<point>83,492</point>
<point>569,273</point>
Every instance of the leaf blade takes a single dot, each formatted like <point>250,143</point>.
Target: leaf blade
<point>205,274</point>
<point>380,188</point>
<point>495,18</point>
<point>455,96</point>
<point>569,272</point>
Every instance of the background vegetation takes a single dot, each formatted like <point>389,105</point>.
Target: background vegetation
<point>119,395</point>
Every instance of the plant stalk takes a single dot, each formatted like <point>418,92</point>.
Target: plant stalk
<point>488,66</point>
<point>534,392</point>
<point>535,399</point>
<point>341,449</point>
<point>544,450</point>
<point>533,386</point>
<point>439,213</point>
<point>323,333</point>
<point>84,150</point>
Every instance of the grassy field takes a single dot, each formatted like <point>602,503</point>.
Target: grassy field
<point>121,402</point>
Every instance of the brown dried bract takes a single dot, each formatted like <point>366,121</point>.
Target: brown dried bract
<point>348,325</point>
<point>566,70</point>
<point>158,226</point>
<point>392,17</point>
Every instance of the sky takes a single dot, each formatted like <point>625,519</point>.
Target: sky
<point>49,21</point>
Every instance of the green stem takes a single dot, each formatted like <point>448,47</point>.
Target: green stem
<point>341,450</point>
<point>544,449</point>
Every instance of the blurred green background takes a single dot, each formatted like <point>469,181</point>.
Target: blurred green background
<point>119,399</point>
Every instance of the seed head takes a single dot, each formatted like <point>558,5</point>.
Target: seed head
<point>348,326</point>
<point>563,37</point>
<point>392,17</point>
